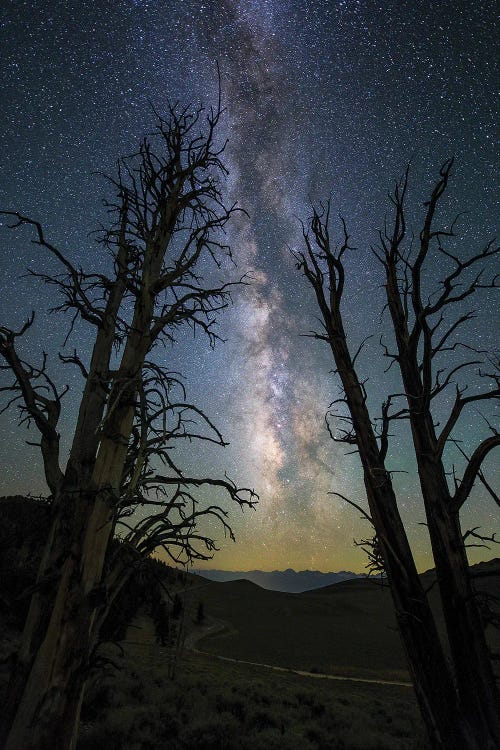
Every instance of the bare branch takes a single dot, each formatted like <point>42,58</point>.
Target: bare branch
<point>458,406</point>
<point>472,471</point>
<point>482,538</point>
<point>363,512</point>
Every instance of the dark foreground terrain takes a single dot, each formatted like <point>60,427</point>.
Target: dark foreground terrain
<point>198,691</point>
<point>348,628</point>
<point>217,705</point>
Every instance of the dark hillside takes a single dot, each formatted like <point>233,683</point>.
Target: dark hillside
<point>348,631</point>
<point>24,525</point>
<point>347,628</point>
<point>23,529</point>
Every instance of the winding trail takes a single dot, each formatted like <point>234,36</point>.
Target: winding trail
<point>218,626</point>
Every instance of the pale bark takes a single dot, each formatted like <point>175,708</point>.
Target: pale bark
<point>109,471</point>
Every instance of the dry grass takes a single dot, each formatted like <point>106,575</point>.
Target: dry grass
<point>213,705</point>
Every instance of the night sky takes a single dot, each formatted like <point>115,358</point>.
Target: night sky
<point>322,98</point>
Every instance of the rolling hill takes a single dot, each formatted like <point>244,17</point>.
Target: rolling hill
<point>347,628</point>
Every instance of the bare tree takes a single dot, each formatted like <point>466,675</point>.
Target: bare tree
<point>427,334</point>
<point>167,228</point>
<point>453,715</point>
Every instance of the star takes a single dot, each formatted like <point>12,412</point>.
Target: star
<point>322,99</point>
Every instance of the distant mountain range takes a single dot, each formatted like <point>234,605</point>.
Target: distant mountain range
<point>290,581</point>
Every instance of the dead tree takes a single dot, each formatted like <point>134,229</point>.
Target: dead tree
<point>167,225</point>
<point>427,333</point>
<point>350,422</point>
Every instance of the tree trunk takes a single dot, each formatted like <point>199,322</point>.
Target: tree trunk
<point>50,677</point>
<point>427,664</point>
<point>47,682</point>
<point>50,674</point>
<point>473,671</point>
<point>429,670</point>
<point>454,719</point>
<point>472,663</point>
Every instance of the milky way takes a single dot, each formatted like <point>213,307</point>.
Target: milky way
<point>321,99</point>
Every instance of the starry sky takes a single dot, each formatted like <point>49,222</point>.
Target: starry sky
<point>322,99</point>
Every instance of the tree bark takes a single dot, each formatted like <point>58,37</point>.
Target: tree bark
<point>447,726</point>
<point>147,297</point>
<point>45,694</point>
<point>471,659</point>
<point>473,671</point>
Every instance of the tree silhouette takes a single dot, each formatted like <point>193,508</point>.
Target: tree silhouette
<point>200,613</point>
<point>458,697</point>
<point>425,329</point>
<point>166,228</point>
<point>161,619</point>
<point>177,607</point>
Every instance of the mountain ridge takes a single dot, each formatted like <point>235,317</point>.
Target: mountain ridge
<point>288,581</point>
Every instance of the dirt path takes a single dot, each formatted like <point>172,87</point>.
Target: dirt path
<point>316,675</point>
<point>193,638</point>
<point>219,625</point>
